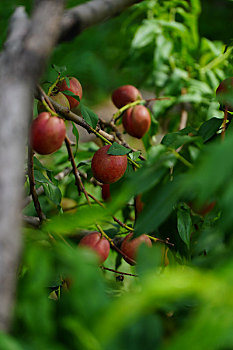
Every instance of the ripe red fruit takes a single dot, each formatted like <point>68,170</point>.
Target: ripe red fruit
<point>106,195</point>
<point>224,93</point>
<point>130,246</point>
<point>107,168</point>
<point>59,98</point>
<point>47,133</point>
<point>125,94</point>
<point>75,87</point>
<point>139,205</point>
<point>97,243</point>
<point>136,121</point>
<point>205,209</point>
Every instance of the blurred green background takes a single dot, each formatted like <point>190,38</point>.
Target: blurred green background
<point>100,56</point>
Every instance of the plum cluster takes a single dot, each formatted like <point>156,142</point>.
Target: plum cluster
<point>47,131</point>
<point>136,120</point>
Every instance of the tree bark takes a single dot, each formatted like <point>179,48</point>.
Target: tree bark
<point>86,15</point>
<point>26,51</point>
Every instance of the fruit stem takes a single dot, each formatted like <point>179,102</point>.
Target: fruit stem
<point>182,159</point>
<point>113,245</point>
<point>224,123</point>
<point>54,84</point>
<point>124,108</point>
<point>48,108</point>
<point>160,240</point>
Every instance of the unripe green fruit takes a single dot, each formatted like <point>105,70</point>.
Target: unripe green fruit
<point>68,205</point>
<point>59,98</point>
<point>136,121</point>
<point>96,243</point>
<point>130,246</point>
<point>47,133</point>
<point>125,94</point>
<point>107,168</point>
<point>75,87</point>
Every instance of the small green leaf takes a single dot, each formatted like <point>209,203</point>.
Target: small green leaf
<point>70,93</point>
<point>134,155</point>
<point>118,150</point>
<point>67,82</point>
<point>176,139</point>
<point>52,178</point>
<point>209,128</point>
<point>53,193</point>
<point>90,117</point>
<point>39,165</point>
<point>39,177</point>
<point>184,225</point>
<point>58,69</point>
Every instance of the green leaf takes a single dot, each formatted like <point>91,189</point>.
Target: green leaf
<point>145,34</point>
<point>59,69</point>
<point>76,134</point>
<point>118,150</point>
<point>175,140</point>
<point>209,128</point>
<point>53,193</point>
<point>39,177</point>
<point>184,225</point>
<point>39,165</point>
<point>70,93</point>
<point>90,117</point>
<point>67,82</point>
<point>52,178</point>
<point>134,155</point>
<point>84,218</point>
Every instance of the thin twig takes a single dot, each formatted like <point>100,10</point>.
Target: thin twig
<point>118,272</point>
<point>114,246</point>
<point>31,220</point>
<point>40,189</point>
<point>78,180</point>
<point>32,184</point>
<point>224,123</point>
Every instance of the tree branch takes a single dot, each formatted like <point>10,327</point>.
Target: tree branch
<point>21,64</point>
<point>89,14</point>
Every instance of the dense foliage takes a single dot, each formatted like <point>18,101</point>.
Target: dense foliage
<point>180,294</point>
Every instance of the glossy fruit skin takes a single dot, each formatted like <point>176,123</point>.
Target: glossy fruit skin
<point>125,94</point>
<point>59,98</point>
<point>130,246</point>
<point>107,168</point>
<point>105,190</point>
<point>47,133</point>
<point>97,243</point>
<point>75,87</point>
<point>136,121</point>
<point>225,87</point>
